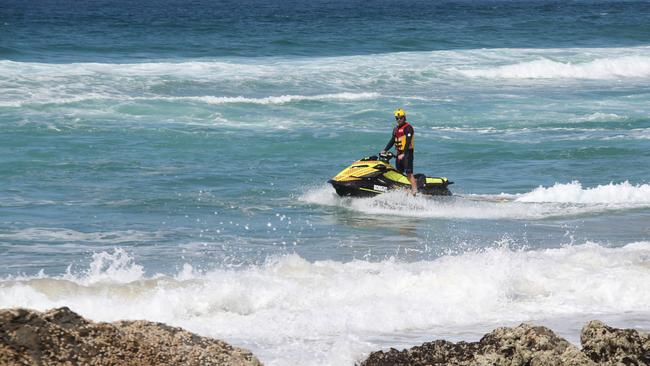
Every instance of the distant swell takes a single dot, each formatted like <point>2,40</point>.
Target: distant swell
<point>604,68</point>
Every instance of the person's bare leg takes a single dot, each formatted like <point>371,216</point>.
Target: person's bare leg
<point>414,186</point>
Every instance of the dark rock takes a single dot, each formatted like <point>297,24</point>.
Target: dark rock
<point>528,345</point>
<point>432,353</point>
<point>523,345</point>
<point>611,346</point>
<point>62,337</point>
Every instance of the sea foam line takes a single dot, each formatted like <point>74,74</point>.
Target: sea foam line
<point>282,99</point>
<point>208,99</point>
<point>63,235</point>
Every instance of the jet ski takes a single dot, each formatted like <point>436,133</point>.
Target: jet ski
<point>375,175</point>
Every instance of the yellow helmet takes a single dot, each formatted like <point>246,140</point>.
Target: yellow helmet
<point>399,113</point>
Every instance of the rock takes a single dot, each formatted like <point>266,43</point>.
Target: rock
<point>62,337</point>
<point>611,346</point>
<point>523,345</point>
<point>432,353</point>
<point>528,345</point>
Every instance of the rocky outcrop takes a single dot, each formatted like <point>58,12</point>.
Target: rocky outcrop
<point>527,345</point>
<point>611,346</point>
<point>522,345</point>
<point>62,337</point>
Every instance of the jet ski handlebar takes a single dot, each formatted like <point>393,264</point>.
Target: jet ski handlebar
<point>386,156</point>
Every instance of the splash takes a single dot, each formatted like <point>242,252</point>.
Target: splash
<point>560,200</point>
<point>116,267</point>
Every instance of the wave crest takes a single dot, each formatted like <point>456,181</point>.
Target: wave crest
<point>621,193</point>
<point>604,68</point>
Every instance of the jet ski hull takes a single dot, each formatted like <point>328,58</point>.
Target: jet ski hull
<point>347,189</point>
<point>372,176</point>
<point>367,189</point>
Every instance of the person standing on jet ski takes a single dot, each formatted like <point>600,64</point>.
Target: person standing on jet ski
<point>403,140</point>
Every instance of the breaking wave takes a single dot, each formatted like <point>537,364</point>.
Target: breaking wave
<point>332,312</point>
<point>604,68</point>
<point>621,193</point>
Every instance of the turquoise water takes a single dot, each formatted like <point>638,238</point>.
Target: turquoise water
<point>168,161</point>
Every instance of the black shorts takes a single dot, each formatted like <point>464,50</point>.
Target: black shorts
<point>406,165</point>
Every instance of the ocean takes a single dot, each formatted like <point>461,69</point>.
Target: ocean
<point>168,160</point>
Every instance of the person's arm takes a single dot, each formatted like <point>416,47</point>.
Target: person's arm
<point>391,142</point>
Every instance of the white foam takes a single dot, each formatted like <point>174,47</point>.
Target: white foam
<point>111,268</point>
<point>557,201</point>
<point>17,201</point>
<point>539,134</point>
<point>62,235</point>
<point>291,311</point>
<point>282,99</point>
<point>603,68</point>
<point>513,131</point>
<point>641,133</point>
<point>599,117</point>
<point>326,78</point>
<point>209,99</point>
<point>612,193</point>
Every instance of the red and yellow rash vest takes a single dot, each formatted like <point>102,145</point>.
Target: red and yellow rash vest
<point>403,135</point>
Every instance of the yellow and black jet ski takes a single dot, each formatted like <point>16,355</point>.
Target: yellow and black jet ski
<point>374,175</point>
